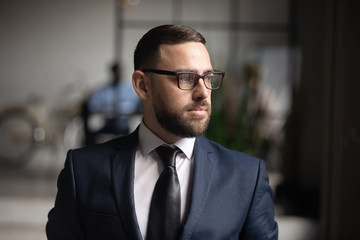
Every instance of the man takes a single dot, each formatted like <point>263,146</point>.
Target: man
<point>116,102</point>
<point>106,191</point>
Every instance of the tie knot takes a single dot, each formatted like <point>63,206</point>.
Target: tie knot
<point>168,155</point>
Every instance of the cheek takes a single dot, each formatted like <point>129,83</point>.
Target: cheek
<point>174,102</point>
<point>174,97</point>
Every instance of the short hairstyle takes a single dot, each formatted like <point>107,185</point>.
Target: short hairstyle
<point>147,49</point>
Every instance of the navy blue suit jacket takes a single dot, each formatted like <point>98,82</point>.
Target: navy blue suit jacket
<point>230,197</point>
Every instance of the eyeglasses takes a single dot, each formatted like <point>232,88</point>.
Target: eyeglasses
<point>189,80</point>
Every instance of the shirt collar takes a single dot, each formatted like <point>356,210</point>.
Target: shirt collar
<point>148,141</point>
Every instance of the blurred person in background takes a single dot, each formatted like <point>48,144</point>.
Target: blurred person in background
<point>121,190</point>
<point>114,103</point>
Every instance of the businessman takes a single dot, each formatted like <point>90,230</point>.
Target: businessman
<point>165,180</point>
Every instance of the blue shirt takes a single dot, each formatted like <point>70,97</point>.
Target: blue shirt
<point>114,100</point>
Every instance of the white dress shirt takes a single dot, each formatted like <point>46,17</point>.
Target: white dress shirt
<point>148,167</point>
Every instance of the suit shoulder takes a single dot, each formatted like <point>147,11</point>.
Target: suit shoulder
<point>230,154</point>
<point>101,147</point>
<point>102,150</point>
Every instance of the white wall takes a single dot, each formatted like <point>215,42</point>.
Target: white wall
<point>46,45</point>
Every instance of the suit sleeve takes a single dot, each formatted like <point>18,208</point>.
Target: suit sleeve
<point>63,220</point>
<point>260,223</point>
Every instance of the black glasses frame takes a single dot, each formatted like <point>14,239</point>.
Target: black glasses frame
<point>177,74</point>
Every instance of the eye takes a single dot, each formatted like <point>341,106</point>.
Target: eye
<point>208,77</point>
<point>187,77</point>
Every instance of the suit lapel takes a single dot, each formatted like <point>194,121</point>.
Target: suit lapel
<point>123,184</point>
<point>204,169</point>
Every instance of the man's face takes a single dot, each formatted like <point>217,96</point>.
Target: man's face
<point>183,113</point>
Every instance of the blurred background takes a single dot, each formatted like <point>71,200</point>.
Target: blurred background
<point>290,96</point>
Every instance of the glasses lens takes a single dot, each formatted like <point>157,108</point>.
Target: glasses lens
<point>186,80</point>
<point>213,80</point>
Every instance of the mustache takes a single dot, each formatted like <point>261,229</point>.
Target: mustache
<point>203,103</point>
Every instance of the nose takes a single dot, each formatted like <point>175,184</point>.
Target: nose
<point>200,92</point>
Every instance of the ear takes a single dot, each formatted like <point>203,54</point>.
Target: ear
<point>140,84</point>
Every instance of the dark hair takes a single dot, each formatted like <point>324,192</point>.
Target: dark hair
<point>147,49</point>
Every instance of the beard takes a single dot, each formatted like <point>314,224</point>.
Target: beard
<point>177,123</point>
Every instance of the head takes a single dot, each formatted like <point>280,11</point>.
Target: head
<point>147,50</point>
<point>170,112</point>
<point>115,72</point>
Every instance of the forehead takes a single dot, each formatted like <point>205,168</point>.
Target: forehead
<point>189,55</point>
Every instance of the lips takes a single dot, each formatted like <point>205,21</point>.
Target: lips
<point>199,110</point>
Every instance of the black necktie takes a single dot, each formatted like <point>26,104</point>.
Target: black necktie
<point>164,217</point>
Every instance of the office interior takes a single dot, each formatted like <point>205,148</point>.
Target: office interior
<point>290,96</point>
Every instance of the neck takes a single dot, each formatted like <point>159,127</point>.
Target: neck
<point>159,131</point>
